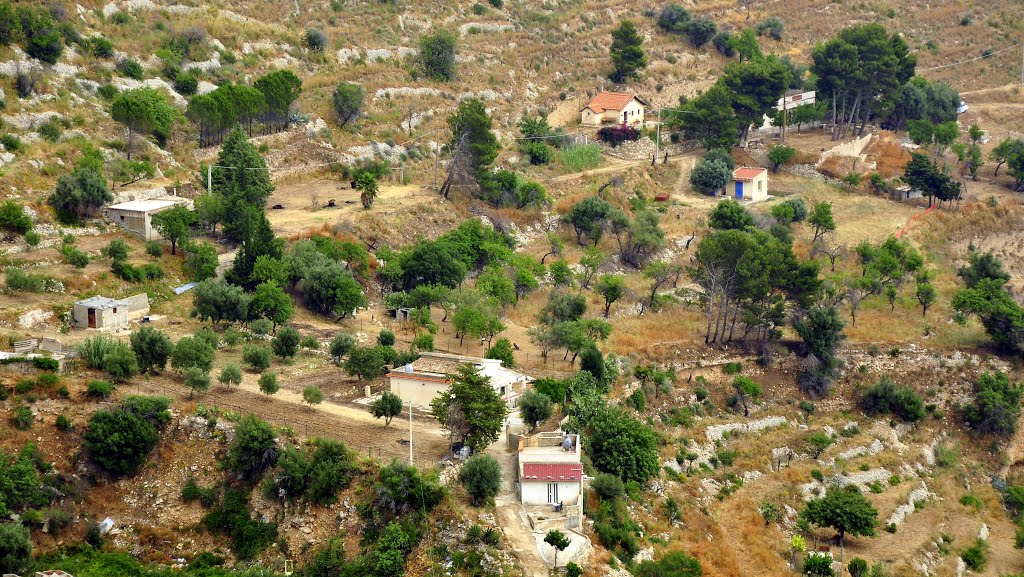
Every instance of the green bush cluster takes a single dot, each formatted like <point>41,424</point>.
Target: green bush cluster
<point>232,517</point>
<point>886,397</point>
<point>315,474</point>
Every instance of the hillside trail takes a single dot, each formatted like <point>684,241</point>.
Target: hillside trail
<point>614,165</point>
<point>686,164</point>
<point>510,515</point>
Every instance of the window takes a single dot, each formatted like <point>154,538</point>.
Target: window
<point>553,493</point>
<point>115,310</point>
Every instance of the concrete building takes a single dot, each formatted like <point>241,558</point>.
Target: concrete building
<point>137,215</point>
<point>792,99</point>
<point>550,475</point>
<point>613,108</point>
<point>749,184</point>
<point>426,377</point>
<point>106,313</point>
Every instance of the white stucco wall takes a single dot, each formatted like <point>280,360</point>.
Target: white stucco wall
<point>420,392</point>
<point>536,492</point>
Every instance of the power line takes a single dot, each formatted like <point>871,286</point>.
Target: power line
<point>982,57</point>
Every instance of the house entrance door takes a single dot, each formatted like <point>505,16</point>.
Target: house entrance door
<point>739,190</point>
<point>92,318</point>
<point>553,493</point>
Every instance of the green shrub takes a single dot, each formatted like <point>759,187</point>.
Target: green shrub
<point>22,418</point>
<point>286,343</point>
<point>232,518</point>
<point>976,556</point>
<point>608,487</point>
<point>152,349</point>
<point>256,357</point>
<point>64,423</point>
<point>261,327</point>
<point>886,397</point>
<point>11,143</point>
<point>108,91</point>
<point>154,248</point>
<point>24,385</point>
<point>15,547</point>
<point>386,338</point>
<point>191,491</point>
<point>120,362</point>
<point>817,565</point>
<point>20,281</point>
<point>310,343</point>
<point>130,68</point>
<point>50,131</point>
<point>733,368</point>
<point>101,389</point>
<point>252,451</point>
<point>120,440</point>
<point>970,500</point>
<point>481,477</point>
<point>423,342</point>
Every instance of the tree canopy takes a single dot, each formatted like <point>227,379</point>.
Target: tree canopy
<point>470,409</point>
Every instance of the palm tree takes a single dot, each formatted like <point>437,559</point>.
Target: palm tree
<point>366,183</point>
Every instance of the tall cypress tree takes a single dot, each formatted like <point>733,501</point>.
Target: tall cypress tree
<point>242,179</point>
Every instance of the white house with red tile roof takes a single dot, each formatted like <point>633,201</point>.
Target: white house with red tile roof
<point>749,184</point>
<point>551,474</point>
<point>613,108</point>
<point>428,376</point>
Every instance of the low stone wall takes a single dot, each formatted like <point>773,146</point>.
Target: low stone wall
<point>851,148</point>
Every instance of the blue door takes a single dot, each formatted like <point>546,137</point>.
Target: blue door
<point>739,189</point>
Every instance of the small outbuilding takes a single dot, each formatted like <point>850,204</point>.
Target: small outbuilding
<point>749,184</point>
<point>136,216</point>
<point>100,312</point>
<point>613,108</point>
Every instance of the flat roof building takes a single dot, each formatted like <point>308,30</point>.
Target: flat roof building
<point>137,215</point>
<point>99,312</point>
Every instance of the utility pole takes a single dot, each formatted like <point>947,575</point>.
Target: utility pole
<point>209,178</point>
<point>410,433</point>
<point>437,155</point>
<point>657,141</point>
<point>784,119</point>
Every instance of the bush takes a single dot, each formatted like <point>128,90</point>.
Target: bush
<point>130,68</point>
<point>64,423</point>
<point>502,351</point>
<point>152,349</point>
<point>723,44</point>
<point>253,450</point>
<point>92,350</point>
<point>108,91</point>
<point>312,395</point>
<point>888,398</point>
<point>256,357</point>
<point>11,143</point>
<point>340,345</point>
<point>995,407</point>
<point>74,257</point>
<point>154,248</point>
<point>286,343</point>
<point>386,338</point>
<point>101,47</point>
<point>119,441</point>
<point>196,379</point>
<point>268,383</point>
<point>33,238</point>
<point>101,389</point>
<point>315,40</point>
<point>773,26</point>
<point>309,343</point>
<point>616,135</point>
<point>15,547</point>
<point>608,487</point>
<point>232,518</point>
<point>191,491</point>
<point>20,281</point>
<point>481,477</point>
<point>261,327</point>
<point>22,418</point>
<point>423,342</point>
<point>437,55</point>
<point>120,362</point>
<point>976,556</point>
<point>817,565</point>
<point>50,131</point>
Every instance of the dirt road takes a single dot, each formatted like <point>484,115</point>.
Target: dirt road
<point>512,518</point>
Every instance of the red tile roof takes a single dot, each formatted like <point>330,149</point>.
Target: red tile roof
<point>552,471</point>
<point>746,173</point>
<point>611,101</point>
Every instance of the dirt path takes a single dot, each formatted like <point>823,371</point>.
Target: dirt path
<point>511,517</point>
<point>614,165</point>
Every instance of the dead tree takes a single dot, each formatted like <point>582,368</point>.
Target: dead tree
<point>460,171</point>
